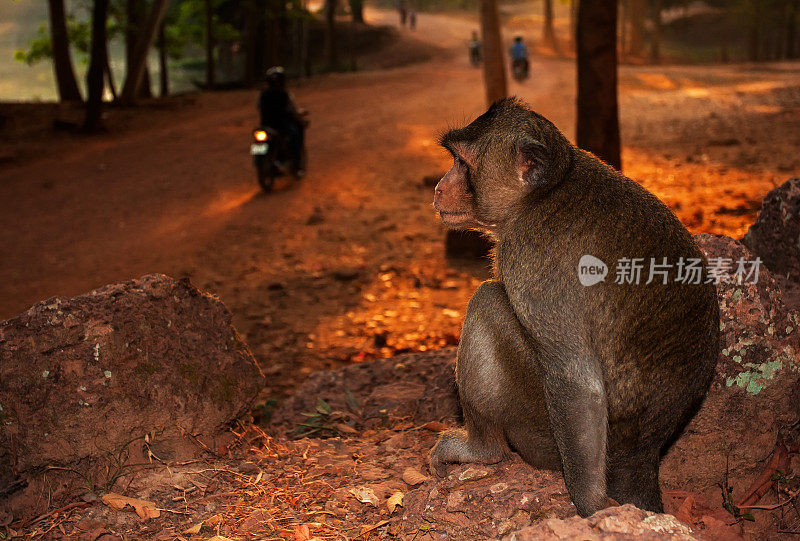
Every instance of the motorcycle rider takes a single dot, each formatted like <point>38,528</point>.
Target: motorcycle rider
<point>475,49</point>
<point>519,54</point>
<point>279,112</point>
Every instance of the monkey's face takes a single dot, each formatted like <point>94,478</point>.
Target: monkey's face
<point>454,195</point>
<point>497,160</point>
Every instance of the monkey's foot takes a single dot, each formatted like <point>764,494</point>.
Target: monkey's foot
<point>455,447</point>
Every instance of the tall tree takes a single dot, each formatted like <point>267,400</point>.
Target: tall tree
<point>754,31</point>
<point>573,22</point>
<point>163,73</point>
<point>655,37</point>
<point>549,34</point>
<point>598,111</point>
<point>144,42</point>
<point>136,11</point>
<point>357,10</point>
<point>210,65</point>
<point>636,18</point>
<point>793,8</point>
<point>494,66</point>
<point>62,60</point>
<point>331,53</point>
<point>97,62</point>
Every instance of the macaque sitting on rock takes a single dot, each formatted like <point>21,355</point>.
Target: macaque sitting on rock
<point>569,365</point>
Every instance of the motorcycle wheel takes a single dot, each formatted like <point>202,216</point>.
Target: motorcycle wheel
<point>303,163</point>
<point>266,177</point>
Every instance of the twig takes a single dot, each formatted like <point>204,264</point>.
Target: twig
<point>375,527</point>
<point>73,505</point>
<point>204,446</point>
<point>779,461</point>
<point>792,496</point>
<point>173,511</point>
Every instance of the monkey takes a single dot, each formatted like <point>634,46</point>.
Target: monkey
<point>595,380</point>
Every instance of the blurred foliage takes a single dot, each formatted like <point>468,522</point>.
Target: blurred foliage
<point>79,34</point>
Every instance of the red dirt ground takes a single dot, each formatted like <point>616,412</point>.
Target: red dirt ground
<point>348,263</point>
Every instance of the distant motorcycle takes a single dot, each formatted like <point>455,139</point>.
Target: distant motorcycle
<point>271,157</point>
<point>475,53</point>
<point>519,69</point>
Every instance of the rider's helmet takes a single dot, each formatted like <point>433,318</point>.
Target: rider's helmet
<point>517,39</point>
<point>276,77</point>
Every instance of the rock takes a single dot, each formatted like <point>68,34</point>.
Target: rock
<point>419,386</point>
<point>755,394</point>
<point>88,377</point>
<point>775,236</point>
<point>756,390</point>
<point>614,523</point>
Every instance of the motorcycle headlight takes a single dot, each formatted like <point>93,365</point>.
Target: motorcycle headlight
<point>260,135</point>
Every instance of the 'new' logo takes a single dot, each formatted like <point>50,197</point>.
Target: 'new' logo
<point>591,270</point>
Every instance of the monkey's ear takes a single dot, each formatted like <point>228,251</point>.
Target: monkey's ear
<point>532,161</point>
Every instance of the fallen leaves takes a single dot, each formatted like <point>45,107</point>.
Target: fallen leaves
<point>435,426</point>
<point>209,523</point>
<point>395,501</point>
<point>143,508</point>
<point>413,477</point>
<point>365,495</point>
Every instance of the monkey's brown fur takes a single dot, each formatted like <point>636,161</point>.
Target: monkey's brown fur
<point>595,380</point>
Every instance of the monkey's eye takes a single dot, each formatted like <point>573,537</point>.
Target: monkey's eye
<point>467,177</point>
<point>461,163</point>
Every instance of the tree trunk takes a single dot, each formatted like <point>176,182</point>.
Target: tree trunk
<point>598,116</point>
<point>94,77</point>
<point>249,44</point>
<point>494,66</point>
<point>305,58</point>
<point>655,43</point>
<point>144,41</point>
<point>636,16</point>
<point>549,34</point>
<point>357,10</point>
<point>109,74</point>
<point>62,60</point>
<point>573,21</point>
<point>754,34</point>
<point>330,34</point>
<point>622,20</point>
<point>135,21</point>
<point>791,29</point>
<point>163,73</point>
<point>210,66</point>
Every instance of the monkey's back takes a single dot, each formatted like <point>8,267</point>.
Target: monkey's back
<point>657,344</point>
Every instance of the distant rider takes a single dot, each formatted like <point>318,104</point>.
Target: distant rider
<point>475,49</point>
<point>279,112</point>
<point>519,53</point>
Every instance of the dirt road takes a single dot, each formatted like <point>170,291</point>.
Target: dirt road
<point>348,263</point>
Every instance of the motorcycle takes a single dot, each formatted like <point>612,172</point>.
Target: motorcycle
<point>271,157</point>
<point>475,53</point>
<point>519,69</point>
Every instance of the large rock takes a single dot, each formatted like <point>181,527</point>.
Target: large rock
<point>756,391</point>
<point>85,377</point>
<point>775,236</point>
<point>612,524</point>
<point>755,394</point>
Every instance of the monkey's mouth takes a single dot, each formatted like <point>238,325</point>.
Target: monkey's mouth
<point>455,219</point>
